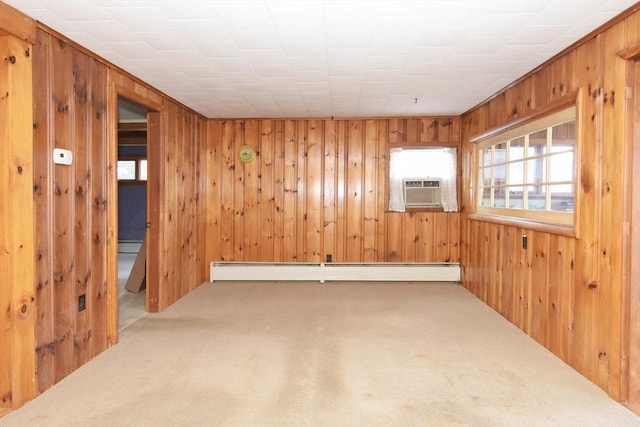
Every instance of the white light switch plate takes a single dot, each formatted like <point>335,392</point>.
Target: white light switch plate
<point>62,156</point>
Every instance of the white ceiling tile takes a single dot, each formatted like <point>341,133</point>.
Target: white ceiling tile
<point>272,70</point>
<point>348,38</point>
<point>202,30</point>
<point>244,15</point>
<point>139,19</point>
<point>231,65</point>
<point>347,55</point>
<point>290,58</point>
<point>264,39</point>
<point>166,40</point>
<point>108,30</point>
<point>313,47</point>
<point>218,49</point>
<point>134,50</point>
<point>308,63</point>
<point>191,9</point>
<point>536,34</point>
<point>311,76</point>
<point>79,11</point>
<point>241,78</point>
<point>265,56</point>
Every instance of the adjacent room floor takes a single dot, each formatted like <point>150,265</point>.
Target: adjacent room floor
<point>131,306</point>
<point>334,354</point>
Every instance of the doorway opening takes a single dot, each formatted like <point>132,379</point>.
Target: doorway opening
<point>132,211</point>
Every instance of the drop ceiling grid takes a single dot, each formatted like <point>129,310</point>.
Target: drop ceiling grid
<point>323,58</point>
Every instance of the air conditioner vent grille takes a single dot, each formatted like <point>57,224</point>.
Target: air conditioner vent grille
<point>422,192</point>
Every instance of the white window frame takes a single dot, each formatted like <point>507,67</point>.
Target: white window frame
<point>560,220</point>
<point>449,194</point>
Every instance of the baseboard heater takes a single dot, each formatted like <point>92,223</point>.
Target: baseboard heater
<point>335,271</point>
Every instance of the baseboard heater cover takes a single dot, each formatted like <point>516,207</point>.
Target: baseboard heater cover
<point>335,271</point>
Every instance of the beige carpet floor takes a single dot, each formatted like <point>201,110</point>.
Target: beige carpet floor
<point>335,354</point>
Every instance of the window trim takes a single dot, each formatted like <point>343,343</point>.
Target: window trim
<point>410,145</point>
<point>554,222</point>
<point>137,160</point>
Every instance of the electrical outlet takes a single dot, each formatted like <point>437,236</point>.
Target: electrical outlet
<point>525,241</point>
<point>329,258</point>
<point>82,302</point>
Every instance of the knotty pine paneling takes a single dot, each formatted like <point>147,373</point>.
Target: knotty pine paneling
<point>17,293</point>
<point>70,202</point>
<point>175,237</point>
<point>181,229</point>
<point>74,107</point>
<point>565,292</point>
<point>318,187</point>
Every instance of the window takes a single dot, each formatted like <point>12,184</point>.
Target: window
<point>132,170</point>
<point>126,170</point>
<point>423,177</point>
<point>529,171</point>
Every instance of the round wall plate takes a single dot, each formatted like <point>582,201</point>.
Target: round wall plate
<point>246,153</point>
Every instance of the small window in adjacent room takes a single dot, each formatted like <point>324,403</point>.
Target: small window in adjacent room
<point>423,178</point>
<point>132,169</point>
<point>127,170</point>
<point>142,170</point>
<point>529,171</point>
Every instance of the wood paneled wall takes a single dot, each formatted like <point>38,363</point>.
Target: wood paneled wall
<point>75,107</point>
<point>568,293</point>
<point>17,299</point>
<point>70,112</point>
<point>318,187</point>
<point>178,226</point>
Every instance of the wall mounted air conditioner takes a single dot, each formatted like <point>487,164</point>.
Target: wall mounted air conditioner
<point>422,192</point>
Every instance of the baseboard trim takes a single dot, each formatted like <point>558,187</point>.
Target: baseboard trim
<point>324,272</point>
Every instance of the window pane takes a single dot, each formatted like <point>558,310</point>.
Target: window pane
<point>562,197</point>
<point>516,150</point>
<point>532,168</point>
<point>564,137</point>
<point>537,143</point>
<point>486,197</point>
<point>143,170</point>
<point>500,153</point>
<point>486,156</point>
<point>536,170</point>
<point>536,197</point>
<point>515,197</point>
<point>500,175</point>
<point>126,170</point>
<point>516,173</point>
<point>561,167</point>
<point>499,197</point>
<point>486,177</point>
<point>423,163</point>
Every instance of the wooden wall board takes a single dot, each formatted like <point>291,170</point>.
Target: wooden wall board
<point>74,107</point>
<point>328,180</point>
<point>17,242</point>
<point>16,24</point>
<point>566,292</point>
<point>43,176</point>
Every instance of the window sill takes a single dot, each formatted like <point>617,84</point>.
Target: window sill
<point>420,210</point>
<point>559,229</point>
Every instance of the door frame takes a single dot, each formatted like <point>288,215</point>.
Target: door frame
<point>154,118</point>
<point>634,236</point>
<point>630,301</point>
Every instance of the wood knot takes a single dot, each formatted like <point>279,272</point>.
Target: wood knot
<point>12,59</point>
<point>593,285</point>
